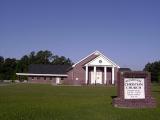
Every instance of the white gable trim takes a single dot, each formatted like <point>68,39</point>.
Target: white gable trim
<point>111,61</point>
<point>107,59</point>
<point>100,54</point>
<point>95,52</point>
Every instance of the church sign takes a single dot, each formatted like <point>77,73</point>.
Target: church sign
<point>134,90</point>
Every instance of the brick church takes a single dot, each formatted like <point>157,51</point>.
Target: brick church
<point>95,68</point>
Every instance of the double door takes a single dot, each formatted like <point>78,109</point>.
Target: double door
<point>98,78</point>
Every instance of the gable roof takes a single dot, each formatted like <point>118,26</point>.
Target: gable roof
<point>97,54</point>
<point>105,60</point>
<point>48,69</point>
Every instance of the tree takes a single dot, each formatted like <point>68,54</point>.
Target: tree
<point>1,60</point>
<point>1,67</point>
<point>159,76</point>
<point>32,57</point>
<point>23,63</point>
<point>43,57</point>
<point>61,60</point>
<point>148,67</point>
<point>10,66</point>
<point>9,69</point>
<point>154,68</point>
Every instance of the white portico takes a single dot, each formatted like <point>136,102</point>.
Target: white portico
<point>100,70</point>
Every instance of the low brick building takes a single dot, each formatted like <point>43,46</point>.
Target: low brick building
<point>39,73</point>
<point>93,69</point>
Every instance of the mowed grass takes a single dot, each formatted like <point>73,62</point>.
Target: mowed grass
<point>46,102</point>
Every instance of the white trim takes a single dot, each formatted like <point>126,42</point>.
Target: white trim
<point>58,79</point>
<point>95,52</point>
<point>112,75</point>
<point>95,72</point>
<point>99,77</point>
<point>105,74</point>
<point>92,77</point>
<point>101,55</point>
<point>32,74</point>
<point>86,74</point>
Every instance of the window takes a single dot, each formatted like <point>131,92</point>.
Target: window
<point>62,78</point>
<point>100,61</point>
<point>32,78</point>
<point>44,78</point>
<point>50,78</point>
<point>38,78</point>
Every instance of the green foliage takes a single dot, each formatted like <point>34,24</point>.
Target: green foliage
<point>1,67</point>
<point>9,67</point>
<point>46,102</point>
<point>1,60</point>
<point>61,60</point>
<point>8,70</point>
<point>154,68</point>
<point>43,57</point>
<point>159,76</point>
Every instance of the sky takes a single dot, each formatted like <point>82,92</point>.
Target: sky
<point>125,31</point>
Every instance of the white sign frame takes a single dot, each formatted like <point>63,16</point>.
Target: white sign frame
<point>134,88</point>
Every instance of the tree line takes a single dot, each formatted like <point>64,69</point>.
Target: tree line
<point>154,69</point>
<point>10,66</point>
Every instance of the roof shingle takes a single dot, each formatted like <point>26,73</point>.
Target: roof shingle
<point>48,69</point>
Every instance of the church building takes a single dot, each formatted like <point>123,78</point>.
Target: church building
<point>95,68</point>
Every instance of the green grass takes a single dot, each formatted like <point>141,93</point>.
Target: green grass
<point>46,102</point>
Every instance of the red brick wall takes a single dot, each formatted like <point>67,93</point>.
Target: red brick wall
<point>76,76</point>
<point>116,75</point>
<point>41,79</point>
<point>78,72</point>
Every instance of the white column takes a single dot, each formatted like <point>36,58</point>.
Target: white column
<point>86,74</point>
<point>105,74</point>
<point>112,75</point>
<point>95,74</point>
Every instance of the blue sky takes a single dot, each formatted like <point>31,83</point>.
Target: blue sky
<point>126,31</point>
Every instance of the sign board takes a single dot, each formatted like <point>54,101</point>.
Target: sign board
<point>134,88</point>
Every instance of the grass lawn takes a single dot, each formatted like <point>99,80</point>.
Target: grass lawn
<point>46,102</point>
